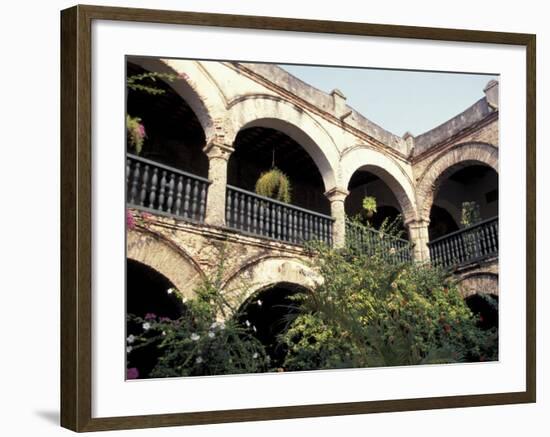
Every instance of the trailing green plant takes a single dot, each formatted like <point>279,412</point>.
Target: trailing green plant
<point>369,204</point>
<point>470,213</point>
<point>135,132</point>
<point>145,82</point>
<point>275,185</point>
<point>372,311</point>
<point>206,340</point>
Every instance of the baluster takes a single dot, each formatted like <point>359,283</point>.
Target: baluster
<point>242,211</point>
<point>179,193</point>
<point>249,213</point>
<point>284,224</point>
<point>170,199</point>
<point>128,173</point>
<point>236,210</point>
<point>483,240</point>
<point>300,228</point>
<point>195,200</point>
<point>493,232</point>
<point>187,198</point>
<point>307,227</point>
<point>255,216</point>
<point>135,180</point>
<point>278,220</point>
<point>161,191</point>
<point>261,217</point>
<point>202,201</point>
<point>153,193</point>
<point>144,180</point>
<point>228,215</point>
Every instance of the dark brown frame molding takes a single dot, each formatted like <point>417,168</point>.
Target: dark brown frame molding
<point>76,219</point>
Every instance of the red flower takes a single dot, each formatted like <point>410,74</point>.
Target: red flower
<point>447,328</point>
<point>130,222</point>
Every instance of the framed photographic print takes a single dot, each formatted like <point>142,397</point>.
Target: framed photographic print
<point>267,218</point>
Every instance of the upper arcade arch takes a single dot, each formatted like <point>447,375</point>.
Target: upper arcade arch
<point>275,113</point>
<point>448,161</point>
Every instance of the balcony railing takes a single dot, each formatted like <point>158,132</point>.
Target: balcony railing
<point>265,217</point>
<point>160,188</point>
<point>370,241</point>
<point>467,245</point>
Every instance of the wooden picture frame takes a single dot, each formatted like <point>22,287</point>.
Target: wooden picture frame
<point>76,217</point>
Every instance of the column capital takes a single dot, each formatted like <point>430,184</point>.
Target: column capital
<point>417,223</point>
<point>218,150</point>
<point>337,194</point>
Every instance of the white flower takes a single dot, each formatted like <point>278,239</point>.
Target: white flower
<point>211,334</point>
<point>259,302</point>
<point>394,285</point>
<point>214,325</point>
<point>392,251</point>
<point>247,323</point>
<point>255,355</point>
<point>254,329</point>
<point>164,333</point>
<point>195,337</point>
<point>184,300</point>
<point>198,360</point>
<point>146,326</point>
<point>128,349</point>
<point>222,326</point>
<point>131,338</point>
<point>170,290</point>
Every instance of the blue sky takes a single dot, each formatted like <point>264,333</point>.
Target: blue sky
<point>399,100</point>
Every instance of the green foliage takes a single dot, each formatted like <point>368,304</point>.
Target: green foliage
<point>371,310</point>
<point>369,204</point>
<point>199,343</point>
<point>135,132</point>
<point>470,213</point>
<point>144,82</point>
<point>275,185</point>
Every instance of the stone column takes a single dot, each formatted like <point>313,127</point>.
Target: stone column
<point>218,155</point>
<point>418,234</point>
<point>337,196</point>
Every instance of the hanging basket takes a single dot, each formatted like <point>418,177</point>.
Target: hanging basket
<point>275,185</point>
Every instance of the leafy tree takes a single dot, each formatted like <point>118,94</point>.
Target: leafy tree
<point>372,310</point>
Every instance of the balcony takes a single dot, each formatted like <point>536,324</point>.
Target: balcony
<point>370,241</point>
<point>265,217</point>
<point>468,245</point>
<point>165,190</point>
<point>158,188</point>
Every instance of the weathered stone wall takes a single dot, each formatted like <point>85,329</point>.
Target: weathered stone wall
<point>186,252</point>
<point>479,278</point>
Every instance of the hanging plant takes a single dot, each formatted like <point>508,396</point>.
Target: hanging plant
<point>470,214</point>
<point>136,133</point>
<point>275,185</point>
<point>369,205</point>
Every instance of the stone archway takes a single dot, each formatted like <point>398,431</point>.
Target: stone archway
<point>276,113</point>
<point>461,154</point>
<point>177,266</point>
<point>203,96</point>
<point>388,170</point>
<point>479,283</point>
<point>266,272</point>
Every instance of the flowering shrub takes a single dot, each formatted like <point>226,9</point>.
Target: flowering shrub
<point>136,133</point>
<point>373,311</point>
<point>199,343</point>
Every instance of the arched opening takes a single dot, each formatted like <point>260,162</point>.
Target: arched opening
<point>258,149</point>
<point>441,222</point>
<point>364,183</point>
<point>467,193</point>
<point>174,135</point>
<point>270,312</point>
<point>485,306</point>
<point>147,293</point>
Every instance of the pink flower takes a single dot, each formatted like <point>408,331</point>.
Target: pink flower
<point>140,130</point>
<point>183,76</point>
<point>150,316</point>
<point>130,222</point>
<point>164,319</point>
<point>132,373</point>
